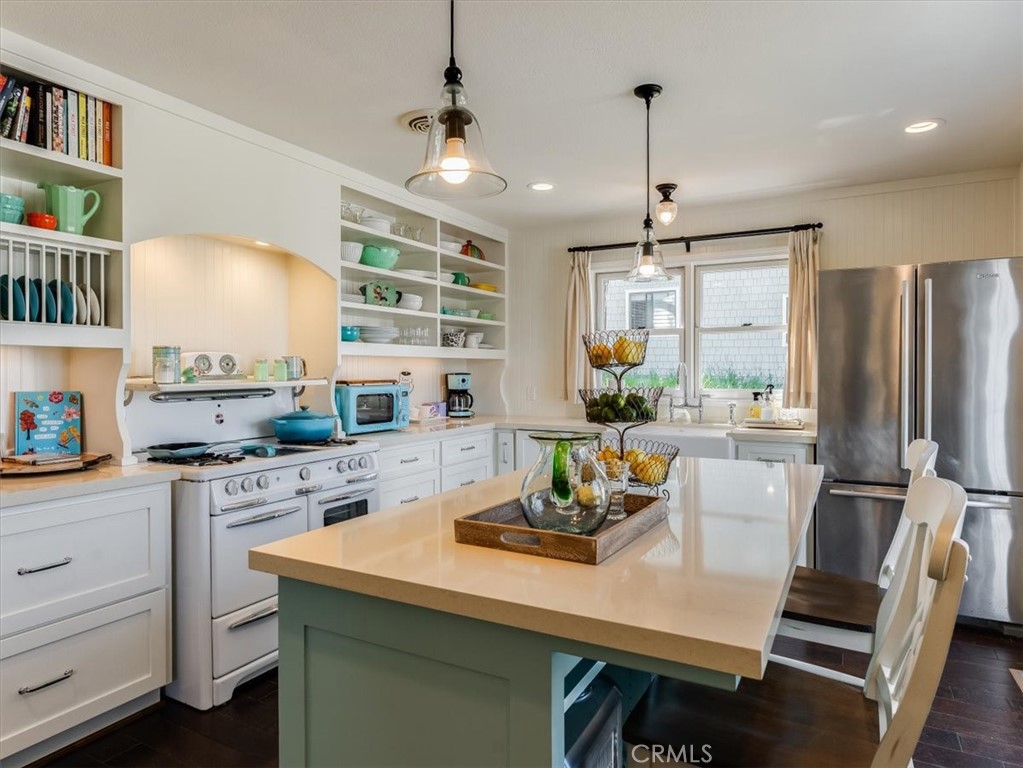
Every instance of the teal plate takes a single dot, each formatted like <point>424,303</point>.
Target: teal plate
<point>33,298</point>
<point>67,300</point>
<point>7,288</point>
<point>49,300</point>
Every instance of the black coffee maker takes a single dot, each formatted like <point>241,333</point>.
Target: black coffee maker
<point>459,399</point>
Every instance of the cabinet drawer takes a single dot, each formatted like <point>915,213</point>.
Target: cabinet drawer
<point>411,458</point>
<point>464,475</point>
<point>412,488</point>
<point>458,450</point>
<point>55,677</point>
<point>60,559</point>
<point>244,636</point>
<point>776,452</point>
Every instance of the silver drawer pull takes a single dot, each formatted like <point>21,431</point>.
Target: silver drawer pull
<point>343,496</point>
<point>243,505</point>
<point>465,448</point>
<point>988,505</point>
<point>362,478</point>
<point>266,613</point>
<point>865,495</point>
<point>409,500</point>
<point>413,460</point>
<point>264,517</point>
<point>467,482</point>
<point>36,569</point>
<point>308,489</point>
<point>771,461</point>
<point>47,684</point>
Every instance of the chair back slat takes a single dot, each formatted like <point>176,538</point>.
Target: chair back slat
<point>921,456</point>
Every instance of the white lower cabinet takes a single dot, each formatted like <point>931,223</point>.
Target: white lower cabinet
<point>410,488</point>
<point>457,450</point>
<point>464,475</point>
<point>504,451</point>
<point>84,613</point>
<point>787,453</point>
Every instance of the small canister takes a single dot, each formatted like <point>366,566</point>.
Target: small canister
<point>261,370</point>
<point>280,369</point>
<point>167,365</point>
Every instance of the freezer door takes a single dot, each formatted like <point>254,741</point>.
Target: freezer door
<point>993,529</point>
<point>855,526</point>
<point>866,373</point>
<point>970,368</point>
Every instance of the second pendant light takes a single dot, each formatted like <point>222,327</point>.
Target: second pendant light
<point>647,263</point>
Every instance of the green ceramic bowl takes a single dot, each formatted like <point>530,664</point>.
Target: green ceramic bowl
<point>379,256</point>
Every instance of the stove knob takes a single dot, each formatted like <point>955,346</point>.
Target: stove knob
<point>341,466</point>
<point>353,464</point>
<point>263,482</point>
<point>247,484</point>
<point>305,473</point>
<point>231,488</point>
<point>363,462</point>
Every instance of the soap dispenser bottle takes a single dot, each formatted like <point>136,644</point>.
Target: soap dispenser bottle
<point>756,408</point>
<point>767,412</point>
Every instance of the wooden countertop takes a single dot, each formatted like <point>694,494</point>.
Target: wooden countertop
<point>703,589</point>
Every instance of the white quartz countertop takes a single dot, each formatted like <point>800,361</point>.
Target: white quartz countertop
<point>753,434</point>
<point>29,489</point>
<point>704,588</point>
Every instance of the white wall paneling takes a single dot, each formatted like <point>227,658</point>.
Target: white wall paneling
<point>25,369</point>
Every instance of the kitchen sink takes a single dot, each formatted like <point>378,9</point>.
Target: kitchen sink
<point>708,441</point>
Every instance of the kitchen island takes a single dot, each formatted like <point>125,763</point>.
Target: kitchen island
<point>399,646</point>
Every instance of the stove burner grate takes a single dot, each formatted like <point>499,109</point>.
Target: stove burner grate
<point>330,443</point>
<point>206,460</point>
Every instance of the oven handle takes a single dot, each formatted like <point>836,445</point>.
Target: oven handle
<point>266,613</point>
<point>343,496</point>
<point>264,517</point>
<point>243,505</point>
<point>308,489</point>
<point>362,478</point>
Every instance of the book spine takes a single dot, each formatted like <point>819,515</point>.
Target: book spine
<point>5,93</point>
<point>37,120</point>
<point>99,131</point>
<point>90,126</point>
<point>26,116</point>
<point>83,130</point>
<point>10,113</point>
<point>49,118</point>
<point>20,116</point>
<point>108,134</point>
<point>59,118</point>
<point>72,123</point>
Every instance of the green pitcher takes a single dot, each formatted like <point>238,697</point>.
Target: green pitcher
<point>68,205</point>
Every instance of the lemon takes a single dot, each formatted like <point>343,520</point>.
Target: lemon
<point>600,354</point>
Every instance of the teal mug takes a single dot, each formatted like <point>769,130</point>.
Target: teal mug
<point>461,278</point>
<point>68,205</point>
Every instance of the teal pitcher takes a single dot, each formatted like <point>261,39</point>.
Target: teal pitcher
<point>68,205</point>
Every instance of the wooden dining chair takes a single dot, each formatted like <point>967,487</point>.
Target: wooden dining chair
<point>794,718</point>
<point>840,611</point>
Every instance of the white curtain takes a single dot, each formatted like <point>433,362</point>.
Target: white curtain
<point>577,322</point>
<point>801,378</point>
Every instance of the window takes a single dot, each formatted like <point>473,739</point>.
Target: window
<point>741,325</point>
<point>726,321</point>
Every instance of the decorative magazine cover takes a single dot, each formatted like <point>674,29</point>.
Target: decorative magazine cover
<point>48,422</point>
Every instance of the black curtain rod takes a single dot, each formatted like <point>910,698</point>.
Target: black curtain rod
<point>701,238</point>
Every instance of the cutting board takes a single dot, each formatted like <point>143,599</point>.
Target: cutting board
<point>85,461</point>
<point>365,382</point>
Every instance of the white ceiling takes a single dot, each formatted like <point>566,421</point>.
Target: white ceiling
<point>759,97</point>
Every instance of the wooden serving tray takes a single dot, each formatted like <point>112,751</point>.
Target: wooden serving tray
<point>86,460</point>
<point>504,527</point>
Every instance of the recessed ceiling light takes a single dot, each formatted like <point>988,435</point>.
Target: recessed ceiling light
<point>925,125</point>
<point>541,186</point>
<point>260,242</point>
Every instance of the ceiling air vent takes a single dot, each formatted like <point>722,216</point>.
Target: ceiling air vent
<point>418,120</point>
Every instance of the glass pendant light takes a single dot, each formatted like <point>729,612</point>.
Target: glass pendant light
<point>455,167</point>
<point>667,209</point>
<point>647,263</point>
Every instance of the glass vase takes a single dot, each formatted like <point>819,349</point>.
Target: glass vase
<point>566,489</point>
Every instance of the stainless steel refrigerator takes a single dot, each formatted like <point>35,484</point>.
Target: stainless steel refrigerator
<point>935,351</point>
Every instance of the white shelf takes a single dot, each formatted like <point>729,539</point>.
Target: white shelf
<point>389,310</point>
<point>369,236</point>
<point>36,334</point>
<point>24,161</point>
<point>386,274</point>
<point>467,290</point>
<point>406,350</point>
<point>82,242</point>
<point>147,384</point>
<point>467,263</point>
<point>459,321</point>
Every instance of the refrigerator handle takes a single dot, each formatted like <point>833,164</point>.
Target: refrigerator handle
<point>928,356</point>
<point>904,363</point>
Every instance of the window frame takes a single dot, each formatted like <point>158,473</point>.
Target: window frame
<point>687,267</point>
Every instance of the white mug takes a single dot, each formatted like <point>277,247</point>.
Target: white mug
<point>472,340</point>
<point>429,410</point>
<point>413,413</point>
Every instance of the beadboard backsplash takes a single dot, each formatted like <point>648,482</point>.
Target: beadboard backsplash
<point>28,369</point>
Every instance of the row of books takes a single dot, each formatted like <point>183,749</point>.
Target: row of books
<point>56,118</point>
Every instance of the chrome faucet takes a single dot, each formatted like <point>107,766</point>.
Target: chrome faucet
<point>731,414</point>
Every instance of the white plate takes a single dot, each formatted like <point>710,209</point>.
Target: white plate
<point>81,307</point>
<point>487,346</point>
<point>447,277</point>
<point>418,272</point>
<point>95,317</point>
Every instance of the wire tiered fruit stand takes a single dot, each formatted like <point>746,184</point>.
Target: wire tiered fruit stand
<point>624,408</point>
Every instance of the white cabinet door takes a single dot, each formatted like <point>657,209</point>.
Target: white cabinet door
<point>244,636</point>
<point>62,558</point>
<point>464,475</point>
<point>417,457</point>
<point>421,485</point>
<point>527,450</point>
<point>458,450</point>
<point>504,451</point>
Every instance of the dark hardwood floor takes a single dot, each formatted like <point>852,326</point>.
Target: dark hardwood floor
<point>976,720</point>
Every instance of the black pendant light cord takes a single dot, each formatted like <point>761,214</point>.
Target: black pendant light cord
<point>452,60</point>
<point>452,75</point>
<point>647,222</point>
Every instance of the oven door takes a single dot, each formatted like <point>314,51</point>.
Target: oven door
<point>339,505</point>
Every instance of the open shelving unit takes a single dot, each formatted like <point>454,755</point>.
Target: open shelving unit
<point>440,294</point>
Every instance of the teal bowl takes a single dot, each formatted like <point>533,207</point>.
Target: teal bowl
<point>11,215</point>
<point>379,256</point>
<point>349,333</point>
<point>12,201</point>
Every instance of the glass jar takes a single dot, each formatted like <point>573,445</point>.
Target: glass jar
<point>280,369</point>
<point>566,489</point>
<point>166,365</point>
<point>261,370</point>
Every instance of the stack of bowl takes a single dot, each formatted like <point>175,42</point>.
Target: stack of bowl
<point>351,251</point>
<point>12,209</point>
<point>375,334</point>
<point>410,301</point>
